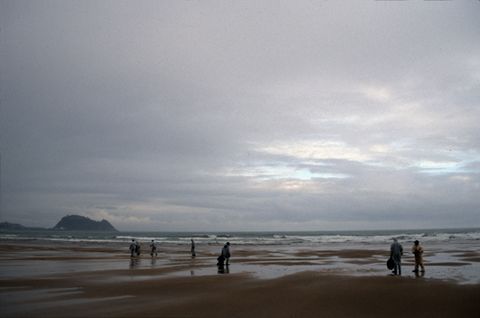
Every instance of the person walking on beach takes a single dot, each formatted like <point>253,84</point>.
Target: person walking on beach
<point>132,248</point>
<point>153,249</point>
<point>192,249</point>
<point>226,252</point>
<point>396,252</point>
<point>417,251</point>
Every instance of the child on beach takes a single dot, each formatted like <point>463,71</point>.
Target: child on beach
<point>417,251</point>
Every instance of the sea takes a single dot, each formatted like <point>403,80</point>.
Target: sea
<point>367,238</point>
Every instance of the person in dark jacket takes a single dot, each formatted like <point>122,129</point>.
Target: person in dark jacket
<point>192,248</point>
<point>226,252</point>
<point>137,248</point>
<point>153,249</point>
<point>132,248</point>
<point>396,252</point>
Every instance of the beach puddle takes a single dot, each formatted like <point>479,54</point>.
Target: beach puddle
<point>442,266</point>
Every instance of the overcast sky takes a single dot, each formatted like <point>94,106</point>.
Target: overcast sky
<point>241,115</point>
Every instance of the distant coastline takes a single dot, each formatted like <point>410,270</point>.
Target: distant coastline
<point>67,223</point>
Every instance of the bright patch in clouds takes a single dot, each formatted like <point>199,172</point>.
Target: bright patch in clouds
<point>438,167</point>
<point>317,150</point>
<point>280,172</point>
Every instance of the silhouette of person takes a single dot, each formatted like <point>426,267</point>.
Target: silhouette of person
<point>153,249</point>
<point>137,248</point>
<point>396,252</point>
<point>192,249</point>
<point>226,252</point>
<point>132,248</point>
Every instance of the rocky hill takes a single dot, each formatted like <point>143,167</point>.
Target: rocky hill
<point>81,223</point>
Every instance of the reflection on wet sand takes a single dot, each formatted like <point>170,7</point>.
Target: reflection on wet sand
<point>419,274</point>
<point>28,259</point>
<point>135,262</point>
<point>223,269</point>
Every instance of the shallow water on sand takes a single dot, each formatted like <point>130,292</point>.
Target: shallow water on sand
<point>457,262</point>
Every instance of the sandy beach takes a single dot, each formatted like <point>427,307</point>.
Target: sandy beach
<point>88,280</point>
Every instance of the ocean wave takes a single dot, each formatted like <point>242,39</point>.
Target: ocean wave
<point>258,238</point>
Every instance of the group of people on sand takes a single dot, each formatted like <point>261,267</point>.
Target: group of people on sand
<point>135,248</point>
<point>396,253</point>
<point>223,259</point>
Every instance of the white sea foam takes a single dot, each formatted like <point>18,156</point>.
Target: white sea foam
<point>255,238</point>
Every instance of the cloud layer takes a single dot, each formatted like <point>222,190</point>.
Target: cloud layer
<point>206,115</point>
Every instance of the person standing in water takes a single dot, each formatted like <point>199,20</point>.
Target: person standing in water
<point>417,251</point>
<point>153,249</point>
<point>132,248</point>
<point>137,248</point>
<point>192,249</point>
<point>396,252</point>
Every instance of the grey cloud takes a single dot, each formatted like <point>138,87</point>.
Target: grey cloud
<point>142,111</point>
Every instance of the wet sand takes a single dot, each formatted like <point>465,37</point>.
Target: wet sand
<point>102,281</point>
